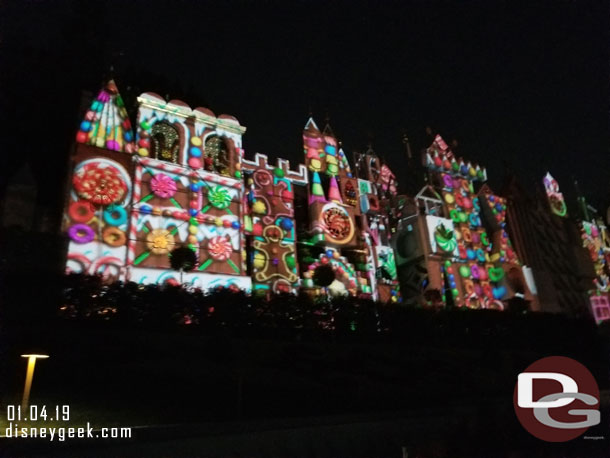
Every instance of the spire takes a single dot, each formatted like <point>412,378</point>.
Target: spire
<point>328,131</point>
<point>311,125</point>
<point>106,123</point>
<point>317,192</point>
<point>333,191</point>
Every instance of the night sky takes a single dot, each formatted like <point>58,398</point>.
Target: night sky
<point>518,85</point>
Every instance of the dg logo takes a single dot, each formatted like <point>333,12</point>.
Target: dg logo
<point>556,399</point>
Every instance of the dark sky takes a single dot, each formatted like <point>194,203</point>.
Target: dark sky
<point>526,83</point>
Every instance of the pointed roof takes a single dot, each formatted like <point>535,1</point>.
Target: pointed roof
<point>311,125</point>
<point>106,123</point>
<point>333,191</point>
<point>328,130</point>
<point>317,192</point>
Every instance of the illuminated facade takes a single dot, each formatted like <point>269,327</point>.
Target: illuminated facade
<point>453,245</point>
<point>180,178</point>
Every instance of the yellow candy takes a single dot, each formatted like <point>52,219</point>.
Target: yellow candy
<point>193,230</point>
<point>259,261</point>
<point>192,239</point>
<point>259,207</point>
<point>218,222</point>
<point>157,211</point>
<point>315,164</point>
<point>195,141</point>
<point>143,152</point>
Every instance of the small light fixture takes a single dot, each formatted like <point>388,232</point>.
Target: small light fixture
<point>32,357</point>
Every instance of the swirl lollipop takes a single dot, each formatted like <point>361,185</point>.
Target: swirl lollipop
<point>219,197</point>
<point>163,186</point>
<point>219,248</point>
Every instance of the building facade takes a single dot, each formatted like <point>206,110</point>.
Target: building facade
<point>180,178</point>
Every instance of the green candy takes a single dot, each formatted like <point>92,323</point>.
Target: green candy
<point>278,172</point>
<point>290,262</point>
<point>496,274</point>
<point>465,271</point>
<point>219,197</point>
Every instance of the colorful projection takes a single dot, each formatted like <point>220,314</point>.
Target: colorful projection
<point>556,201</point>
<point>469,244</point>
<point>96,217</point>
<point>269,208</point>
<point>106,124</point>
<point>182,180</point>
<point>595,240</point>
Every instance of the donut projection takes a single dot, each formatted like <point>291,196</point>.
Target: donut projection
<point>96,216</point>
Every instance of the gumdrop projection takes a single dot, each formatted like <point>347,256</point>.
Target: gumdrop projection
<point>106,123</point>
<point>469,256</point>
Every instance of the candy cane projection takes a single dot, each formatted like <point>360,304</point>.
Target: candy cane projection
<point>468,252</point>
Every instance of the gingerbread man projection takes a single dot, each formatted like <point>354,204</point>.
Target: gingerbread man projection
<point>279,257</point>
<point>276,197</point>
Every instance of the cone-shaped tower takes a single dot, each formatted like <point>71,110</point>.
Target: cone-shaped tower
<point>333,191</point>
<point>106,123</point>
<point>317,192</point>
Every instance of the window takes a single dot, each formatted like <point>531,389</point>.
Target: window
<point>216,156</point>
<point>165,142</point>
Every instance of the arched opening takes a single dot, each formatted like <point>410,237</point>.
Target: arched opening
<point>165,142</point>
<point>217,156</point>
